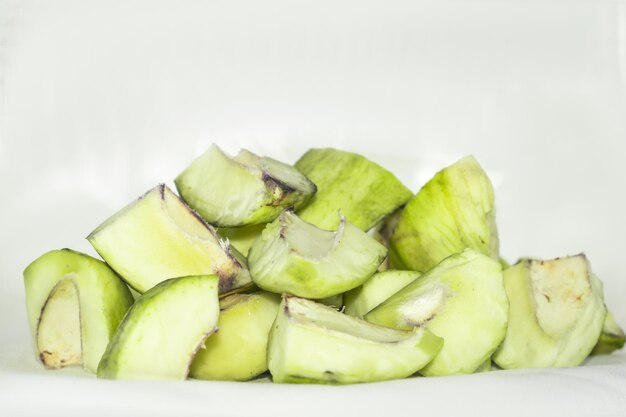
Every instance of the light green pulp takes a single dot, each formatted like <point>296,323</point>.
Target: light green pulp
<point>298,258</point>
<point>163,330</point>
<point>158,237</point>
<point>242,190</point>
<point>556,314</point>
<point>313,343</point>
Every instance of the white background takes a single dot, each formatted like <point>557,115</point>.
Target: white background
<point>99,101</point>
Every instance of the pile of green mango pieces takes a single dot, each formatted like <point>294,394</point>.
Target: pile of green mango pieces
<point>328,271</point>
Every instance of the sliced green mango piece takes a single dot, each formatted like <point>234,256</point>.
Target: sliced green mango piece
<point>241,238</point>
<point>556,314</point>
<point>377,289</point>
<point>295,257</point>
<point>163,330</point>
<point>363,191</point>
<point>461,300</point>
<point>159,237</point>
<point>239,350</point>
<point>74,304</point>
<point>453,211</point>
<point>313,343</point>
<point>242,190</point>
<point>612,337</point>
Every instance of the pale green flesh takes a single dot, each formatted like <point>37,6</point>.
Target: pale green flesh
<point>461,300</point>
<point>162,331</point>
<point>310,342</point>
<point>556,313</point>
<point>242,190</point>
<point>241,238</point>
<point>612,337</point>
<point>103,301</point>
<point>362,190</point>
<point>295,257</point>
<point>158,237</point>
<point>239,350</point>
<point>375,290</point>
<point>58,332</point>
<point>453,211</point>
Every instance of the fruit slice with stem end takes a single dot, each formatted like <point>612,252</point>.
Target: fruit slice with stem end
<point>295,257</point>
<point>377,289</point>
<point>453,211</point>
<point>363,191</point>
<point>310,342</point>
<point>74,304</point>
<point>461,300</point>
<point>163,330</point>
<point>612,337</point>
<point>159,237</point>
<point>242,190</point>
<point>241,238</point>
<point>239,350</point>
<point>556,314</point>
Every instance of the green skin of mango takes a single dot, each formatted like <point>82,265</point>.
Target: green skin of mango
<point>461,300</point>
<point>276,266</point>
<point>243,190</point>
<point>103,297</point>
<point>453,211</point>
<point>551,338</point>
<point>238,351</point>
<point>159,237</point>
<point>313,343</point>
<point>363,191</point>
<point>163,330</point>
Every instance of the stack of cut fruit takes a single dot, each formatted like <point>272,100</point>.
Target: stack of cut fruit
<point>260,265</point>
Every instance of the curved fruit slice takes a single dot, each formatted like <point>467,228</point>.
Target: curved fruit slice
<point>310,342</point>
<point>242,190</point>
<point>163,330</point>
<point>239,350</point>
<point>377,289</point>
<point>159,237</point>
<point>363,191</point>
<point>241,238</point>
<point>612,337</point>
<point>296,257</point>
<point>461,300</point>
<point>453,211</point>
<point>557,313</point>
<point>74,304</point>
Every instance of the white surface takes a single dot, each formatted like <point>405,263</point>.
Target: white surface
<point>100,101</point>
